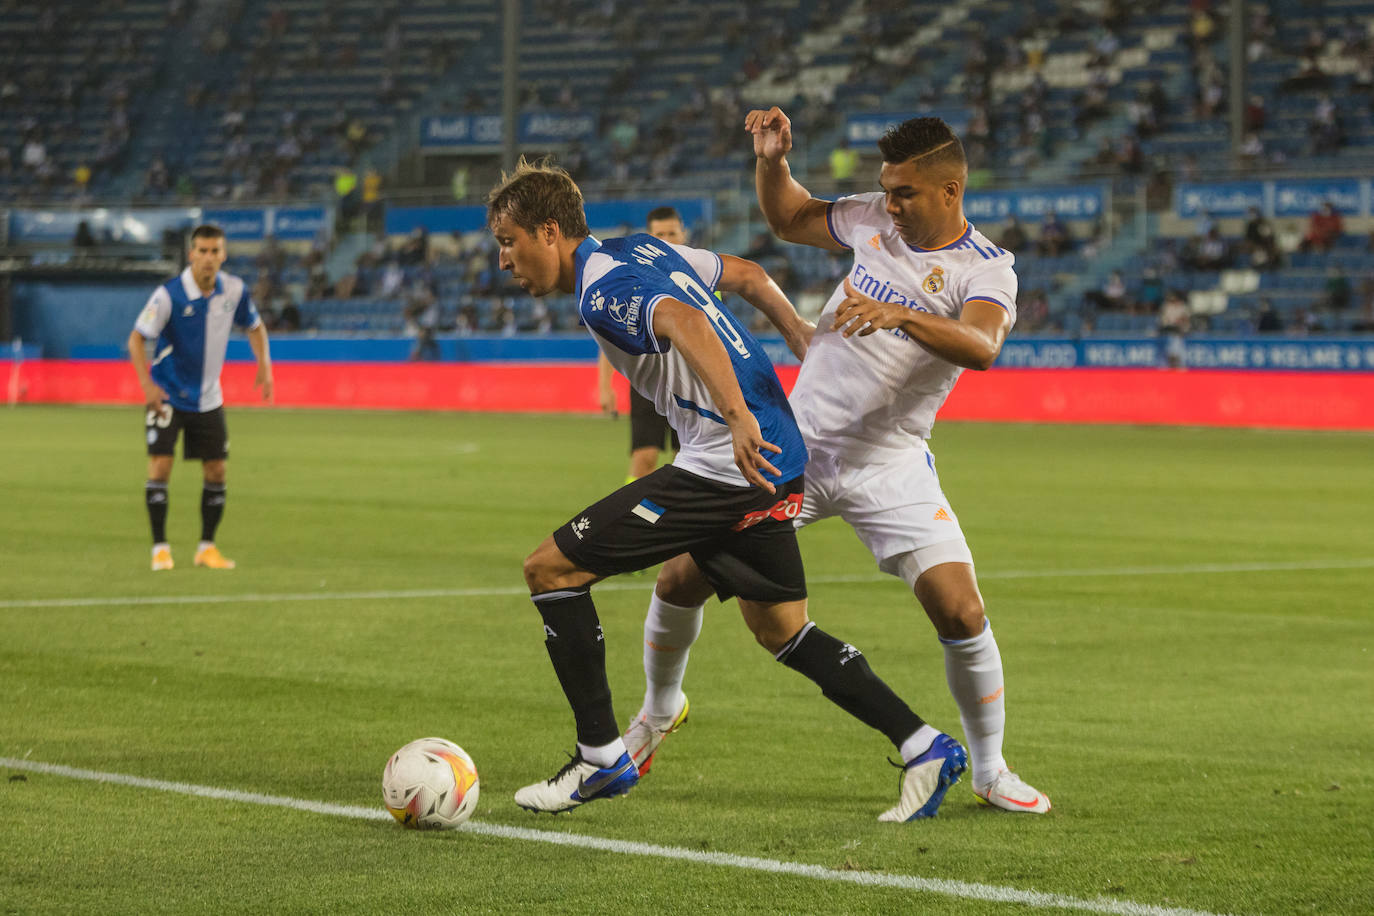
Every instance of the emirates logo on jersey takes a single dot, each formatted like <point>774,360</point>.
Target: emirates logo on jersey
<point>934,281</point>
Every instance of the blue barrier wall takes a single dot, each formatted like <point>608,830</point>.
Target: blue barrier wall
<point>64,316</point>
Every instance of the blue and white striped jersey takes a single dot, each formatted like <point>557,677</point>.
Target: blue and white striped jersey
<point>192,332</point>
<point>619,282</point>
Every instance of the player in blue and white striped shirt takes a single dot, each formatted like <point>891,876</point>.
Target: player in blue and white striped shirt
<point>190,316</point>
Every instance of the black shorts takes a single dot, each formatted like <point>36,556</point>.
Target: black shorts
<point>648,427</point>
<point>741,537</point>
<point>207,436</point>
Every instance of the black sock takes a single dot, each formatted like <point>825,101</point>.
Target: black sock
<point>577,649</point>
<point>211,509</point>
<point>155,495</point>
<point>845,678</point>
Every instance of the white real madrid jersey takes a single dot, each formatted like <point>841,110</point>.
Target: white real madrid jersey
<point>883,390</point>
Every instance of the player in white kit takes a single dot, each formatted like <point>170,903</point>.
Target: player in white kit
<point>926,297</point>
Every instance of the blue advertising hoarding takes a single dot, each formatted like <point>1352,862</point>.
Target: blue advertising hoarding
<point>863,130</point>
<point>602,216</point>
<point>122,225</point>
<point>1069,203</point>
<point>1299,198</point>
<point>1281,197</point>
<point>128,226</point>
<point>250,224</point>
<point>534,127</point>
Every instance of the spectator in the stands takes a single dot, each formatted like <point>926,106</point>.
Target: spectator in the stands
<point>355,136</point>
<point>1151,289</point>
<point>1114,293</point>
<point>1268,321</point>
<point>844,163</point>
<point>372,198</point>
<point>1324,227</point>
<point>346,191</point>
<point>414,250</point>
<point>393,280</point>
<point>1054,236</point>
<point>1251,150</point>
<point>1032,310</point>
<point>1013,237</point>
<point>1174,323</point>
<point>35,154</point>
<point>1336,290</point>
<point>1363,78</point>
<point>1325,127</point>
<point>1212,252</point>
<point>1309,76</point>
<point>157,180</point>
<point>84,240</point>
<point>1261,242</point>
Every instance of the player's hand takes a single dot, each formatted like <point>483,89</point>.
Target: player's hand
<point>154,397</point>
<point>608,404</point>
<point>749,445</point>
<point>772,132</point>
<point>264,381</point>
<point>862,315</point>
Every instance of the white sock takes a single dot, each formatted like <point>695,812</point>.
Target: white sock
<point>919,742</point>
<point>602,756</point>
<point>204,544</point>
<point>973,668</point>
<point>669,631</point>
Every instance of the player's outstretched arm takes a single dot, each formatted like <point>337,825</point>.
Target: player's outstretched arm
<point>792,213</point>
<point>973,341</point>
<point>690,331</point>
<point>755,286</point>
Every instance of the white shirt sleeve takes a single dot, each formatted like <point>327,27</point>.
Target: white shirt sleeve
<point>994,281</point>
<point>707,264</point>
<point>155,314</point>
<point>843,216</point>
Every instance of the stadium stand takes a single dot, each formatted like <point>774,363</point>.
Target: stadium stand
<point>220,102</point>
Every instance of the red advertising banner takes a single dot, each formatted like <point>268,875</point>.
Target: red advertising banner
<point>1297,400</point>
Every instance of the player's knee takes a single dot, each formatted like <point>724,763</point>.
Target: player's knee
<point>774,625</point>
<point>547,570</point>
<point>959,617</point>
<point>681,583</point>
<point>537,573</point>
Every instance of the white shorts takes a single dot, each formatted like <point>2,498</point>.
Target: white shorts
<point>894,504</point>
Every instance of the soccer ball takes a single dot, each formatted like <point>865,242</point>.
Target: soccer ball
<point>430,784</point>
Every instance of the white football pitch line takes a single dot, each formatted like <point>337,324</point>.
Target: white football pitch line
<point>990,893</point>
<point>645,584</point>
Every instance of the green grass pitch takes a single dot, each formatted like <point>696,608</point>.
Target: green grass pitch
<point>1185,617</point>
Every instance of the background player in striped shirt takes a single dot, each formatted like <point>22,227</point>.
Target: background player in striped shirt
<point>190,317</point>
<point>927,296</point>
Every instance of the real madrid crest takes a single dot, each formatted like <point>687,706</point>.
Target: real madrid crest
<point>934,281</point>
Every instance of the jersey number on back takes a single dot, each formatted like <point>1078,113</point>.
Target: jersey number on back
<point>707,303</point>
